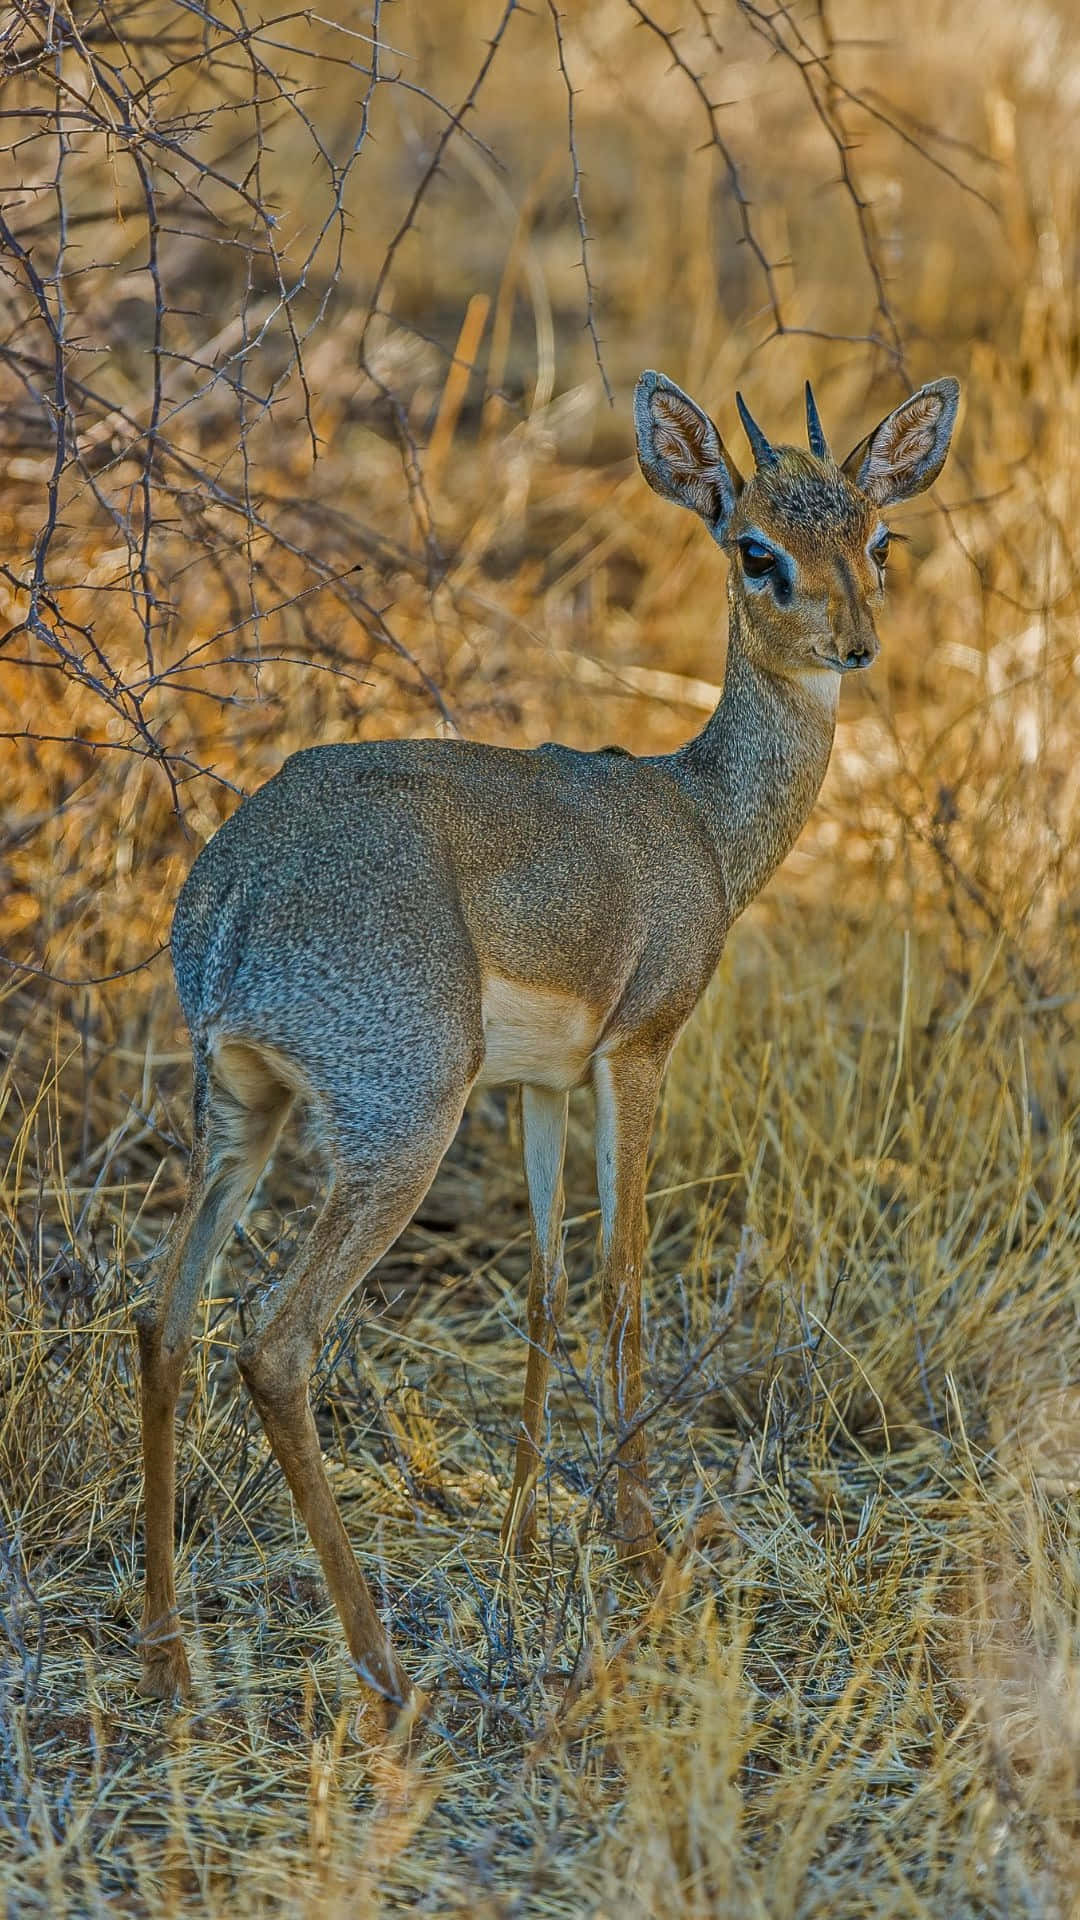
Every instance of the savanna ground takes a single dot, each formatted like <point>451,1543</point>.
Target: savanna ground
<point>858,1692</point>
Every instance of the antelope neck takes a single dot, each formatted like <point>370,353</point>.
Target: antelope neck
<point>755,770</point>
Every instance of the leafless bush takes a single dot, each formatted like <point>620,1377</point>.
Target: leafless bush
<point>175,232</point>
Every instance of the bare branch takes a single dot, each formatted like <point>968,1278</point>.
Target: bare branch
<point>579,210</point>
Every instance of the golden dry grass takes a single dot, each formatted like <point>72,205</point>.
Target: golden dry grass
<point>859,1690</point>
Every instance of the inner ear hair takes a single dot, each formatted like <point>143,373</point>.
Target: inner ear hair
<point>682,432</point>
<point>681,453</point>
<point>906,451</point>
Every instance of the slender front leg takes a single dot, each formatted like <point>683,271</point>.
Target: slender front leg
<point>543,1130</point>
<point>627,1088</point>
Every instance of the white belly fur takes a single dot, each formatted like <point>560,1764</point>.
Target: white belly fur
<point>535,1035</point>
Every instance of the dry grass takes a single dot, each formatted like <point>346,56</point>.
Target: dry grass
<point>858,1693</point>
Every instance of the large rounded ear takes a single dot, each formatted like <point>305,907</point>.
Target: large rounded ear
<point>906,451</point>
<point>681,453</point>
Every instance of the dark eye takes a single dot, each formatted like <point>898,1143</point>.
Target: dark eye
<point>880,548</point>
<point>757,560</point>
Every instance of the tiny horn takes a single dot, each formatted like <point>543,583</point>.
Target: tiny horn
<point>815,432</point>
<point>764,454</point>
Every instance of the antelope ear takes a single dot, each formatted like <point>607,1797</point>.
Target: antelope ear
<point>681,453</point>
<point>906,451</point>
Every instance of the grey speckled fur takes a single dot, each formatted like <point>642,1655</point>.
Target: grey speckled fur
<point>346,915</point>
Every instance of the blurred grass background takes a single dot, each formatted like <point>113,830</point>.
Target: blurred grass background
<point>858,1692</point>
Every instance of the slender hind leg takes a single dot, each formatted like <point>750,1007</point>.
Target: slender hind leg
<point>232,1144</point>
<point>543,1125</point>
<point>378,1184</point>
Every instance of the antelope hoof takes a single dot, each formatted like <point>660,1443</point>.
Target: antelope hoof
<point>645,1560</point>
<point>518,1536</point>
<point>405,1729</point>
<point>391,1726</point>
<point>638,1548</point>
<point>166,1674</point>
<point>387,1695</point>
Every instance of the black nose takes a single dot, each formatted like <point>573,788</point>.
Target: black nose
<point>861,657</point>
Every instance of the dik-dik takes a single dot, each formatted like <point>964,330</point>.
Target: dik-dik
<point>383,927</point>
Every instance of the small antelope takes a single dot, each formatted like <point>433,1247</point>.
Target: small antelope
<point>383,927</point>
